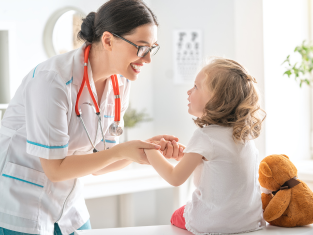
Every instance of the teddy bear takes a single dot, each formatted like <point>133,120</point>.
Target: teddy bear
<point>290,201</point>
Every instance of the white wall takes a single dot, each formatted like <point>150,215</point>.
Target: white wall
<point>249,49</point>
<point>29,18</point>
<point>266,32</point>
<point>287,105</point>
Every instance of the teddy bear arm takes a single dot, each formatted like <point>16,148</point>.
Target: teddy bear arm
<point>277,206</point>
<point>266,198</point>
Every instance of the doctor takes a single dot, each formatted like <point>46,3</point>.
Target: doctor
<point>54,123</point>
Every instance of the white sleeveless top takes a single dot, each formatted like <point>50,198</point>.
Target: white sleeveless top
<point>227,198</point>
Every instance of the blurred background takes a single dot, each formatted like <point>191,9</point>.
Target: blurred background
<point>259,34</point>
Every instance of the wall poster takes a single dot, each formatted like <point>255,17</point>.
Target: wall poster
<point>188,48</point>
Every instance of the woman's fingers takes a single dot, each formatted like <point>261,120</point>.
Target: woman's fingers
<point>166,137</point>
<point>170,138</point>
<point>146,145</point>
<point>169,146</point>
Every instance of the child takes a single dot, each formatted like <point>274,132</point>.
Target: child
<point>222,153</point>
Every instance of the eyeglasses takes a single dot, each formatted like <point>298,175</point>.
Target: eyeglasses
<point>142,50</point>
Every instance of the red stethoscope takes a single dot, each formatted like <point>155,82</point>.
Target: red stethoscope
<point>115,129</point>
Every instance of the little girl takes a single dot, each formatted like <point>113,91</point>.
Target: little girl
<point>221,153</point>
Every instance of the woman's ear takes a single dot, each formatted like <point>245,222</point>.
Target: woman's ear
<point>265,169</point>
<point>107,40</point>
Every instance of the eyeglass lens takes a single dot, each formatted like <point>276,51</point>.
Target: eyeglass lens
<point>142,51</point>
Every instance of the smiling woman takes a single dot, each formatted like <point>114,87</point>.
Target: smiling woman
<point>132,28</point>
<point>48,146</point>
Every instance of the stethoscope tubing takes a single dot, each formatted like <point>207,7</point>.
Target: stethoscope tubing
<point>116,96</point>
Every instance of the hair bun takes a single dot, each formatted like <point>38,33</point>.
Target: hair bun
<point>87,32</point>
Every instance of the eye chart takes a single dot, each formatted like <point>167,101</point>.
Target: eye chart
<point>187,55</point>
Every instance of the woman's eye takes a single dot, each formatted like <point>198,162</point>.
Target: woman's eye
<point>195,86</point>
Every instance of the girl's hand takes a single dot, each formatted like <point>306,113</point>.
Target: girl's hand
<point>174,150</point>
<point>170,149</point>
<point>133,150</point>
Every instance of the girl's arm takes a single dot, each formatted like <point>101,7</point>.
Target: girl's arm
<point>173,175</point>
<point>113,167</point>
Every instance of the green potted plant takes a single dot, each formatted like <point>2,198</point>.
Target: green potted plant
<point>132,117</point>
<point>302,70</point>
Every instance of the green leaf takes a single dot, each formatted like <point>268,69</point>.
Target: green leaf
<point>302,69</point>
<point>288,73</point>
<point>132,117</point>
<point>307,81</point>
<point>287,60</point>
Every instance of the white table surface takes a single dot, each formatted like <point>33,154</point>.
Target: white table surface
<point>172,230</point>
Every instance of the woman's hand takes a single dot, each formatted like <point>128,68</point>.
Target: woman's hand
<point>170,148</point>
<point>133,150</point>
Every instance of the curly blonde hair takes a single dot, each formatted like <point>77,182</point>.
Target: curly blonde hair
<point>235,99</point>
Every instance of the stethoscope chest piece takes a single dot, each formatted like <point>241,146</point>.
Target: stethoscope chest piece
<point>115,129</point>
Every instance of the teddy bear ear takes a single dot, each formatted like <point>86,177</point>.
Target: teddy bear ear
<point>284,155</point>
<point>265,169</point>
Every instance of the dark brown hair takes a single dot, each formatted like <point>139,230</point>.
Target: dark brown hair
<point>235,99</point>
<point>116,16</point>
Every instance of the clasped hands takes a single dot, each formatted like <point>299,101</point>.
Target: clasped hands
<point>170,148</point>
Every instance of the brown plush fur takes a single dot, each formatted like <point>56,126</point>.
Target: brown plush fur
<point>290,207</point>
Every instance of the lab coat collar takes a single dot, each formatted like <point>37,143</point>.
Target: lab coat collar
<point>78,67</point>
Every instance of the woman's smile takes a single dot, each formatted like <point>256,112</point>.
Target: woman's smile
<point>136,67</point>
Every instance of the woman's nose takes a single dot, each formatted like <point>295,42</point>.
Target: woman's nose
<point>188,92</point>
<point>147,58</point>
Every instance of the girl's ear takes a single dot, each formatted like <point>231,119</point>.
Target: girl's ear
<point>265,169</point>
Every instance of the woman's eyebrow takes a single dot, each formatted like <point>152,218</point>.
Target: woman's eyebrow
<point>141,41</point>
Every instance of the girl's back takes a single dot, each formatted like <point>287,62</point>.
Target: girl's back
<point>227,198</point>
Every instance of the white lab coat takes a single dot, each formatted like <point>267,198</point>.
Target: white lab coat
<point>41,122</point>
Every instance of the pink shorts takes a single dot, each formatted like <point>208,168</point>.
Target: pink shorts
<point>178,218</point>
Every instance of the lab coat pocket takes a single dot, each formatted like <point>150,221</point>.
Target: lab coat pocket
<point>21,191</point>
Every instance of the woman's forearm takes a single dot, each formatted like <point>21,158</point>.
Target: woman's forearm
<point>78,165</point>
<point>118,165</point>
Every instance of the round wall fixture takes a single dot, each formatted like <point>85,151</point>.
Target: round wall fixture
<point>60,34</point>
